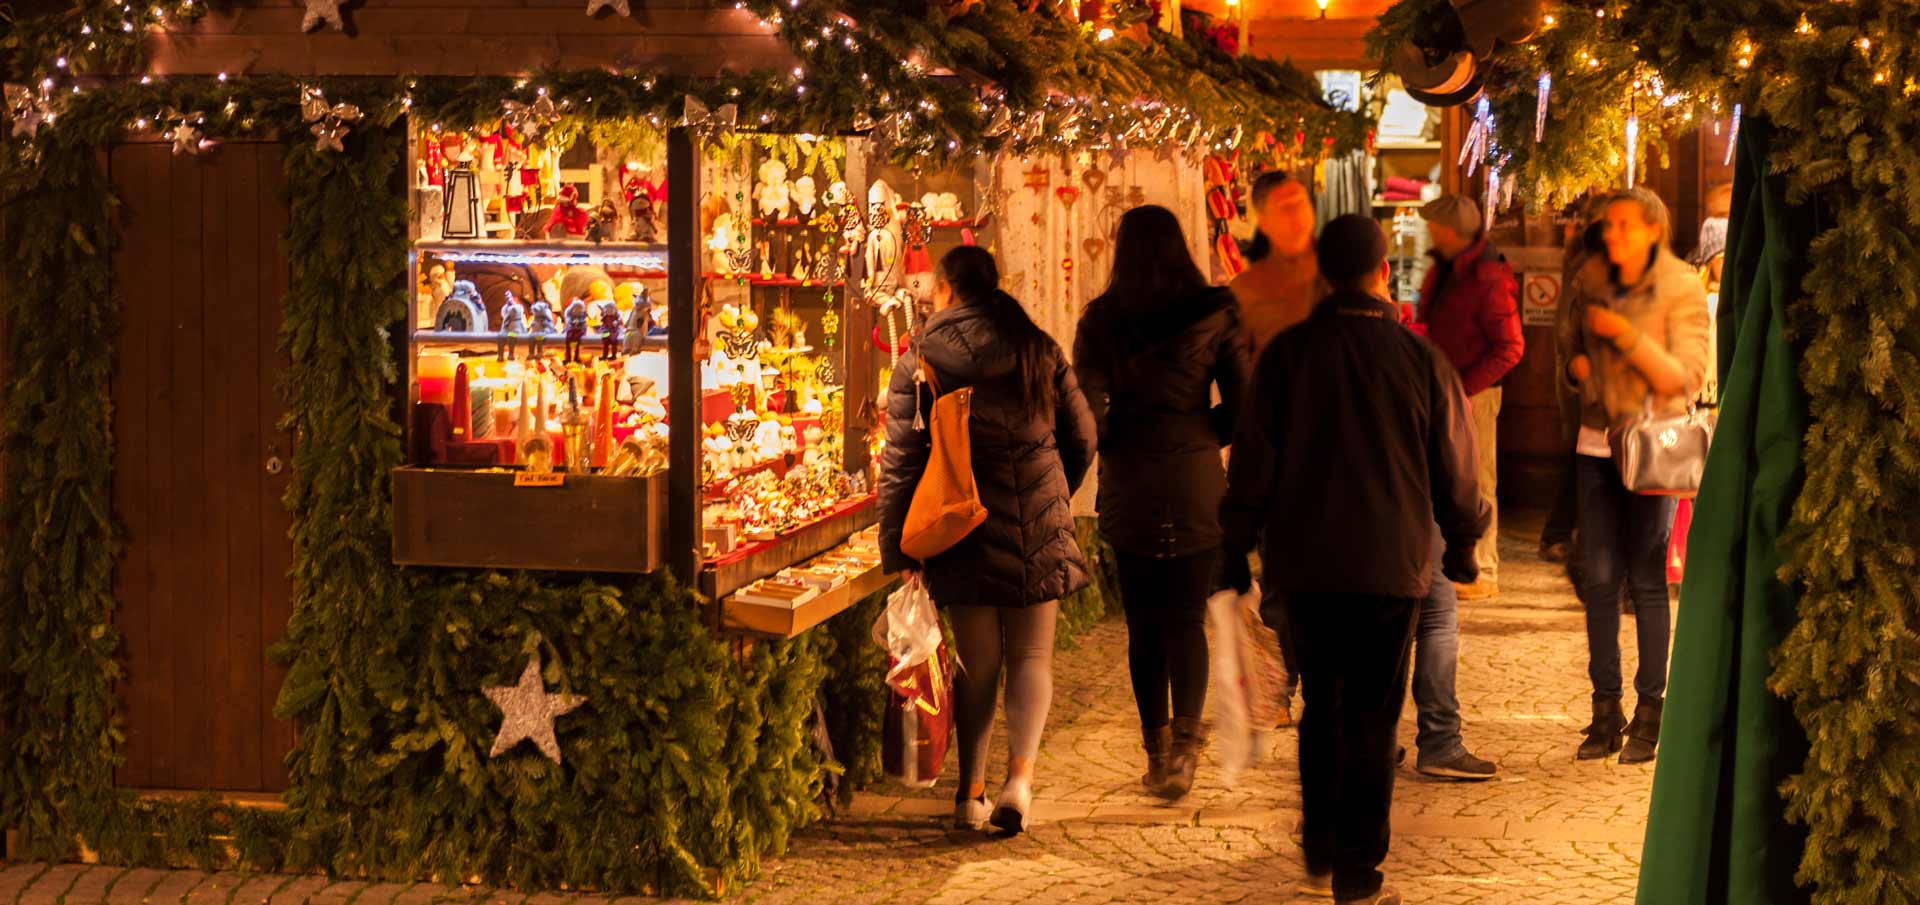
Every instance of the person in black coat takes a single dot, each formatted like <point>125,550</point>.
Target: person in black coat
<point>1032,440</point>
<point>1149,352</point>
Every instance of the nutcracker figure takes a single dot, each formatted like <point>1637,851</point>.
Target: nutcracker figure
<point>576,319</point>
<point>539,328</point>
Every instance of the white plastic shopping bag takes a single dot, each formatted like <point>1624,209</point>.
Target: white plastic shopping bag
<point>1249,678</point>
<point>919,720</point>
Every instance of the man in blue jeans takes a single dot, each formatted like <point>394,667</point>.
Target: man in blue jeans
<point>1436,660</point>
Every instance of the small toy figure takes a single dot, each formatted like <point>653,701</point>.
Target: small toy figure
<point>513,323</point>
<point>641,194</point>
<point>606,312</point>
<point>461,311</point>
<point>640,212</point>
<point>576,318</point>
<point>568,215</point>
<point>639,320</point>
<point>805,195</point>
<point>540,327</point>
<point>774,196</point>
<point>602,223</point>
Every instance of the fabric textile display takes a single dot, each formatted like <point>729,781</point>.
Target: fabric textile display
<point>1343,187</point>
<point>1718,833</point>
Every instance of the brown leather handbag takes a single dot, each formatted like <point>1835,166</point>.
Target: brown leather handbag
<point>946,503</point>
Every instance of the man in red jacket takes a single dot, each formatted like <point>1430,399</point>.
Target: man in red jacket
<point>1468,307</point>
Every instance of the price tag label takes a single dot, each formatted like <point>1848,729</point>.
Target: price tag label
<point>539,479</point>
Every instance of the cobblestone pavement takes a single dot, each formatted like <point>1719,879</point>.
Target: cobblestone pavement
<point>1549,830</point>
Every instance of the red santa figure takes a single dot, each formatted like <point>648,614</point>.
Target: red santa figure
<point>568,215</point>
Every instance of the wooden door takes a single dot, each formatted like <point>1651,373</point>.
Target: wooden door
<point>200,465</point>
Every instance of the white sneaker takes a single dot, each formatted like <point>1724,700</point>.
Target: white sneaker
<point>970,814</point>
<point>1010,813</point>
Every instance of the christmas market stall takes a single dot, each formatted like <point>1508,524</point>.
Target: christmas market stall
<point>438,439</point>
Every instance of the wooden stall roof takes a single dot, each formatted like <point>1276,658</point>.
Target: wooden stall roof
<point>471,37</point>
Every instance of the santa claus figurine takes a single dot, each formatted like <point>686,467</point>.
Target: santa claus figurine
<point>568,215</point>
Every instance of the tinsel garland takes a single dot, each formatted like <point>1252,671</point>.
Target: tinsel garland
<point>1840,84</point>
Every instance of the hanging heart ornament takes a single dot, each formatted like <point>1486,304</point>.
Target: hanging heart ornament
<point>1067,194</point>
<point>1093,179</point>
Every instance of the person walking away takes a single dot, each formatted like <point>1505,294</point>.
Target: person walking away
<point>1149,353</point>
<point>1355,442</point>
<point>1636,341</point>
<point>1442,752</point>
<point>1583,244</point>
<point>1032,440</point>
<point>1279,288</point>
<point>1468,306</point>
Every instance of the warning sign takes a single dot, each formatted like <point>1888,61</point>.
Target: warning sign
<point>1539,298</point>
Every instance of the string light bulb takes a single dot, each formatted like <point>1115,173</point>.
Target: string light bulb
<point>1803,26</point>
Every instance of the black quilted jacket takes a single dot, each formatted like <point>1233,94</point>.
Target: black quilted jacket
<point>1027,465</point>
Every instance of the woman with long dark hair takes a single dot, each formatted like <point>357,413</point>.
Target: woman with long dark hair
<point>1149,352</point>
<point>1032,441</point>
<point>1635,341</point>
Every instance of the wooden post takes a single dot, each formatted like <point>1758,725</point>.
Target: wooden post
<point>683,371</point>
<point>856,329</point>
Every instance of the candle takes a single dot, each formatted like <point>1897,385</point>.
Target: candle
<point>462,404</point>
<point>434,371</point>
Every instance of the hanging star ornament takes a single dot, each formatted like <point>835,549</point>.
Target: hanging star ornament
<point>329,123</point>
<point>530,119</point>
<point>318,11</point>
<point>619,7</point>
<point>185,131</point>
<point>529,711</point>
<point>28,109</point>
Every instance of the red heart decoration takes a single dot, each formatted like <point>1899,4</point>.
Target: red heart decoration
<point>1067,194</point>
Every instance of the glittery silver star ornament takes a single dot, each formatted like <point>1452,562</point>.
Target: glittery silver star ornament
<point>529,711</point>
<point>619,7</point>
<point>313,103</point>
<point>318,11</point>
<point>1000,123</point>
<point>28,109</point>
<point>329,123</point>
<point>184,131</point>
<point>695,113</point>
<point>530,119</point>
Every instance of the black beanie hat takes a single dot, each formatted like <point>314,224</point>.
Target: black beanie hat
<point>1351,245</point>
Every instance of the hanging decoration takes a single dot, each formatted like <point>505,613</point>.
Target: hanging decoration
<point>1067,194</point>
<point>185,131</point>
<point>1733,134</point>
<point>1633,147</point>
<point>530,119</point>
<point>1542,91</point>
<point>528,712</point>
<point>327,123</point>
<point>28,109</point>
<point>1000,123</point>
<point>322,11</point>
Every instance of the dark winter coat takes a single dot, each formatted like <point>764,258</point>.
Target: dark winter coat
<point>1027,465</point>
<point>1469,307</point>
<point>1149,378</point>
<point>1356,440</point>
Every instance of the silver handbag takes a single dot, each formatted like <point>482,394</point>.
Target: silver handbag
<point>1663,455</point>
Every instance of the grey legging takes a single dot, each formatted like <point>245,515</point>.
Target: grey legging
<point>985,637</point>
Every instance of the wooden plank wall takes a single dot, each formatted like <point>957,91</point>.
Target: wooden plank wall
<point>202,574</point>
<point>472,37</point>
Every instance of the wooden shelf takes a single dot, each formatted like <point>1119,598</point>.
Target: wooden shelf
<point>1407,146</point>
<point>759,620</point>
<point>491,340</point>
<point>1380,203</point>
<point>480,519</point>
<point>784,282</point>
<point>754,560</point>
<point>541,247</point>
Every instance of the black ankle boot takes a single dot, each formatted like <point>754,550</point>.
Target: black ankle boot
<point>1183,759</point>
<point>1603,736</point>
<point>1643,734</point>
<point>1157,742</point>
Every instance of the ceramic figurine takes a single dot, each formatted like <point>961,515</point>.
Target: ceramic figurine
<point>775,199</point>
<point>461,311</point>
<point>568,215</point>
<point>638,325</point>
<point>602,223</point>
<point>540,326</point>
<point>576,319</point>
<point>513,324</point>
<point>805,196</point>
<point>609,329</point>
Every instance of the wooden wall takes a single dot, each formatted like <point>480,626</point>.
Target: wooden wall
<point>472,37</point>
<point>202,574</point>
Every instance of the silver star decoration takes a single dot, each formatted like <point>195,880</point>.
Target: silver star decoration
<point>329,123</point>
<point>695,112</point>
<point>185,131</point>
<point>999,124</point>
<point>318,11</point>
<point>529,712</point>
<point>619,7</point>
<point>28,110</point>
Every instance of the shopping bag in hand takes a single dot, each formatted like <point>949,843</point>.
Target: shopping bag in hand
<point>1249,677</point>
<point>919,720</point>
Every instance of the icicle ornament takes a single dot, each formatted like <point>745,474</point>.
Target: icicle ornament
<point>1544,91</point>
<point>1633,146</point>
<point>1733,134</point>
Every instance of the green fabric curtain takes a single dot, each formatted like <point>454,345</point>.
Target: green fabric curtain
<point>1718,833</point>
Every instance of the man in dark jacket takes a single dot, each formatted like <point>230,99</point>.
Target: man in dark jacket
<point>1355,442</point>
<point>1469,310</point>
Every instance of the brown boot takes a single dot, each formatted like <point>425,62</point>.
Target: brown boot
<point>1643,734</point>
<point>1603,736</point>
<point>1185,759</point>
<point>1157,743</point>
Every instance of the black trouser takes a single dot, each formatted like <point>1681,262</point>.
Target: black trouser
<point>1166,605</point>
<point>1565,512</point>
<point>1355,653</point>
<point>1273,612</point>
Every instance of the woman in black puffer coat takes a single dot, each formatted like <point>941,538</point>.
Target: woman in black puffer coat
<point>1149,352</point>
<point>1032,442</point>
